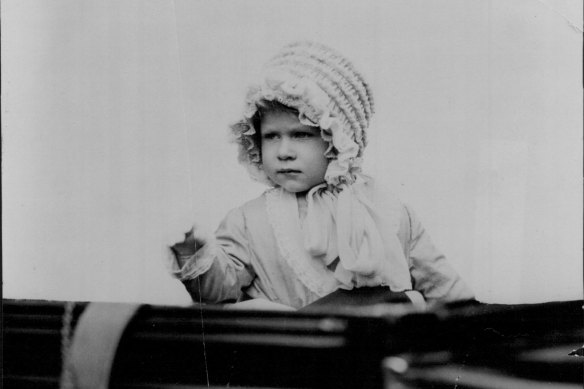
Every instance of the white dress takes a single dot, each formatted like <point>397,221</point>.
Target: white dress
<point>261,250</point>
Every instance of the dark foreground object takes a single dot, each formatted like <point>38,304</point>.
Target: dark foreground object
<point>467,345</point>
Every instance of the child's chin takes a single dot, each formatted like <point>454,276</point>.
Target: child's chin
<point>296,188</point>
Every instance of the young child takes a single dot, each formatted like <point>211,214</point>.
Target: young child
<point>322,225</point>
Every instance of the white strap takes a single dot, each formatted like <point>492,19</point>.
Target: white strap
<point>95,342</point>
<point>417,299</point>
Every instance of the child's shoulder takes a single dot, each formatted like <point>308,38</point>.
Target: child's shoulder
<point>257,204</point>
<point>383,193</point>
<point>389,205</point>
<point>247,212</point>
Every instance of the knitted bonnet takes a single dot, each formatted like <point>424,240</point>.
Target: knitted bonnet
<point>327,91</point>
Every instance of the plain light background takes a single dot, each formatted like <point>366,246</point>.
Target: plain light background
<point>115,115</point>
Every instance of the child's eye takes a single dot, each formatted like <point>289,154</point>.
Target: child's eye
<point>304,135</point>
<point>269,136</point>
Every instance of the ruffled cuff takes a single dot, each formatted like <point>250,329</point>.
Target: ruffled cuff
<point>190,266</point>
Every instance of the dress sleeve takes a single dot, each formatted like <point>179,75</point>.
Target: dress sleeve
<point>431,273</point>
<point>220,270</point>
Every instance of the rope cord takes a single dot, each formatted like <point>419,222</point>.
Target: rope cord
<point>189,171</point>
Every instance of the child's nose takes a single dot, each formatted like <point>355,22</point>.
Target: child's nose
<point>286,149</point>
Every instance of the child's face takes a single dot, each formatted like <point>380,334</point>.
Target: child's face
<point>292,153</point>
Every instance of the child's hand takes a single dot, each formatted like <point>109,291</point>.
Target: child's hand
<point>188,245</point>
<point>184,249</point>
<point>180,248</point>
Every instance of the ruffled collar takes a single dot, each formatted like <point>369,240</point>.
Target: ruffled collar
<point>282,210</point>
<point>348,237</point>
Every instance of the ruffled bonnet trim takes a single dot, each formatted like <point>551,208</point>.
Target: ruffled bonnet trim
<point>316,109</point>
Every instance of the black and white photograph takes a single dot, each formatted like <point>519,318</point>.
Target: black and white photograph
<point>292,194</point>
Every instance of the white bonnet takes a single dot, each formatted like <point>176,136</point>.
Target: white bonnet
<point>328,93</point>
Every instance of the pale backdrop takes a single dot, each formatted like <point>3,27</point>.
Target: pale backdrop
<point>114,133</point>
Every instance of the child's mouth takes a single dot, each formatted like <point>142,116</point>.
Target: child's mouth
<point>288,171</point>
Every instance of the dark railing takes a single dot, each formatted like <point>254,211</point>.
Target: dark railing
<point>340,347</point>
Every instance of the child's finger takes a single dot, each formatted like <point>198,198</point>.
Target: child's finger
<point>197,233</point>
<point>180,233</point>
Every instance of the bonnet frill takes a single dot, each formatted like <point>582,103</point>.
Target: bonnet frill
<point>349,228</point>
